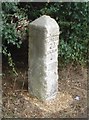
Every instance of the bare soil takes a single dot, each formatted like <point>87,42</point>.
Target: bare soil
<point>71,100</point>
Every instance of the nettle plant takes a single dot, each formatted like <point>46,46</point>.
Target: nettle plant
<point>15,25</point>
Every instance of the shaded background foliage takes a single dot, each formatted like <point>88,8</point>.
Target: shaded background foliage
<point>72,18</point>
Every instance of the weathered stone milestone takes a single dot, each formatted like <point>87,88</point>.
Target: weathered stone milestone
<point>43,58</point>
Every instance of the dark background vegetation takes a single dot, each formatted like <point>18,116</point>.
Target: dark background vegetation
<point>72,18</point>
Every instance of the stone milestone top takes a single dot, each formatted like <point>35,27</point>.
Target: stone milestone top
<point>43,58</point>
<point>46,23</point>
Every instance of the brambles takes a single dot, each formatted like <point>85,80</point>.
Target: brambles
<point>14,29</point>
<point>71,17</point>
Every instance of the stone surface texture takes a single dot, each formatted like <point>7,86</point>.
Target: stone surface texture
<point>43,58</point>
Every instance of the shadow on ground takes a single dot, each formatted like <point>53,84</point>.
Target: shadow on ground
<point>71,100</point>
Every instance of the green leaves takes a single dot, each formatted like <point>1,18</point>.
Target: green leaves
<point>72,17</point>
<point>11,18</point>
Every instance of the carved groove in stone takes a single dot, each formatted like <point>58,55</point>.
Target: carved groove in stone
<point>43,58</point>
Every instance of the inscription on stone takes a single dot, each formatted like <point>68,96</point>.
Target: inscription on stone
<point>43,58</point>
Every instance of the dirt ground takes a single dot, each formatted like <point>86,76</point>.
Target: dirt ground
<point>71,101</point>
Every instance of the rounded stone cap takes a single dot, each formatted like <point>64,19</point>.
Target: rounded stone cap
<point>46,23</point>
